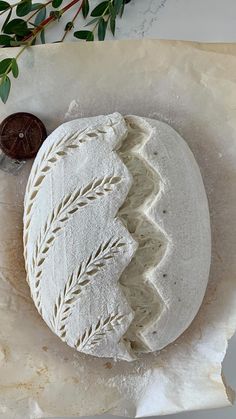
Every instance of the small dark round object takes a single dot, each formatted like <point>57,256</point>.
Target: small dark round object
<point>21,135</point>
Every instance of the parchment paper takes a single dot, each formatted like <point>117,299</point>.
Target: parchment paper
<point>192,87</point>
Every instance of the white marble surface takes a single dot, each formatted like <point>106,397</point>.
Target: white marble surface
<point>198,20</point>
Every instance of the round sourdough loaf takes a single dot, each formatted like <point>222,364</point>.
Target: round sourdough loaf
<point>116,235</point>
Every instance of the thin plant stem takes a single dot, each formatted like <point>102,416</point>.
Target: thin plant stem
<point>50,19</point>
<point>73,20</point>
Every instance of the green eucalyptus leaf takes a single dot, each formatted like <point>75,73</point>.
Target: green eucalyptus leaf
<point>14,68</point>
<point>112,10</point>
<point>122,9</point>
<point>41,15</point>
<point>42,37</point>
<point>56,3</point>
<point>21,38</point>
<point>113,25</point>
<point>90,37</point>
<point>17,27</point>
<point>82,34</point>
<point>100,9</point>
<point>5,87</point>
<point>5,66</point>
<point>7,20</point>
<point>5,40</point>
<point>117,6</point>
<point>23,8</point>
<point>69,26</point>
<point>56,14</point>
<point>85,8</point>
<point>4,5</point>
<point>17,43</point>
<point>92,21</point>
<point>36,6</point>
<point>102,27</point>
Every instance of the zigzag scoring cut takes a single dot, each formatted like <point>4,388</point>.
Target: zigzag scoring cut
<point>143,297</point>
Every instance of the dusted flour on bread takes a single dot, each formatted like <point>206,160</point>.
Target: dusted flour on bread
<point>116,235</point>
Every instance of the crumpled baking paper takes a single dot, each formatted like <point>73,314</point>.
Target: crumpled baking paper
<point>192,87</point>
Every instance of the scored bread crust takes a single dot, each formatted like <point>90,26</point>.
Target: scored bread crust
<point>116,235</point>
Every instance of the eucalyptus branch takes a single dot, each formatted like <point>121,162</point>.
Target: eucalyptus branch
<point>32,20</point>
<point>53,16</point>
<point>102,16</point>
<point>70,24</point>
